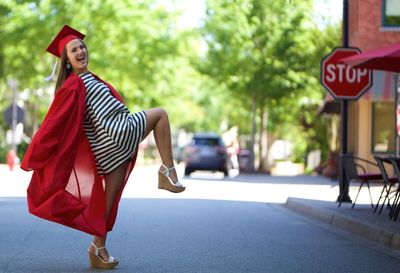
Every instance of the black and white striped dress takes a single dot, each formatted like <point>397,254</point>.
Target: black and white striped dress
<point>113,132</point>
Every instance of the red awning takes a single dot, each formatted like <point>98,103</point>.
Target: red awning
<point>386,58</point>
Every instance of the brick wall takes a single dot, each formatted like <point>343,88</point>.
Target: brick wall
<point>365,26</point>
<point>366,33</point>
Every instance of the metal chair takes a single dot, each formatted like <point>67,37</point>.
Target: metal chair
<point>395,208</point>
<point>388,182</point>
<point>355,171</point>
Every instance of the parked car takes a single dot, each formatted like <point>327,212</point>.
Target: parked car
<point>206,152</point>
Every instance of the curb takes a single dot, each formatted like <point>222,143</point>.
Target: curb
<point>379,235</point>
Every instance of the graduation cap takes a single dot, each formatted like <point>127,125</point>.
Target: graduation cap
<point>65,35</point>
<point>56,47</point>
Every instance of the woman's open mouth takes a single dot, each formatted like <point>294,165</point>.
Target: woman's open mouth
<point>81,59</point>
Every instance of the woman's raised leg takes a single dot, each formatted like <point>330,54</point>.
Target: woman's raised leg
<point>158,122</point>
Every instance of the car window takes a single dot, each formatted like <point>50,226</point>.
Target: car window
<point>206,141</point>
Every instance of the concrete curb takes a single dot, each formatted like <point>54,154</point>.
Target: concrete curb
<point>379,235</point>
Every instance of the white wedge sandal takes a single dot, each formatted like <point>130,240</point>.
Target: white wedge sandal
<point>165,182</point>
<point>96,261</point>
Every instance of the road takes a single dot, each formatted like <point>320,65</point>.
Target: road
<point>218,225</point>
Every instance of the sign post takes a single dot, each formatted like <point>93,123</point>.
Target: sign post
<point>344,83</point>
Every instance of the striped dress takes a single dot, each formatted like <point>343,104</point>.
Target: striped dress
<point>112,131</point>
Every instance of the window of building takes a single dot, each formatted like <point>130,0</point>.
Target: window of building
<point>383,127</point>
<point>391,13</point>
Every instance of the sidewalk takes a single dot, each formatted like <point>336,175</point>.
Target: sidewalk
<point>361,220</point>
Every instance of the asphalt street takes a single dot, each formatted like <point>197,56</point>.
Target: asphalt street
<point>157,231</point>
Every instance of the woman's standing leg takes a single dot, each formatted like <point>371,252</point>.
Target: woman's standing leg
<point>114,182</point>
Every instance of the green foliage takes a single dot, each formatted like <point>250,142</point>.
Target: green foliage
<point>269,48</point>
<point>135,45</point>
<point>258,46</point>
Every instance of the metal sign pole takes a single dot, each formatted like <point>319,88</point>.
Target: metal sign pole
<point>343,183</point>
<point>396,109</point>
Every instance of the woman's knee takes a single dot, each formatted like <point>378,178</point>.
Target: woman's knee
<point>156,112</point>
<point>154,115</point>
<point>161,113</point>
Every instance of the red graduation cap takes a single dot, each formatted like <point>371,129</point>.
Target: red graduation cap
<point>65,35</point>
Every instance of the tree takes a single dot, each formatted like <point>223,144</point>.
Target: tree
<point>260,50</point>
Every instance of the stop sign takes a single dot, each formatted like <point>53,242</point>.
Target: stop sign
<point>341,80</point>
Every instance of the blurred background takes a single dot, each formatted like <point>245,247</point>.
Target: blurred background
<point>246,71</point>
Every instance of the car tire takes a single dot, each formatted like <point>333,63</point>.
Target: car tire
<point>187,172</point>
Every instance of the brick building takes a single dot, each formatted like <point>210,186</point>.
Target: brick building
<point>373,24</point>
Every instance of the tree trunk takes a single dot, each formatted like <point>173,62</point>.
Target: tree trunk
<point>253,133</point>
<point>35,124</point>
<point>263,141</point>
<point>333,133</point>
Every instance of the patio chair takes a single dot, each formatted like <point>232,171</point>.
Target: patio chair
<point>388,182</point>
<point>356,172</point>
<point>395,208</point>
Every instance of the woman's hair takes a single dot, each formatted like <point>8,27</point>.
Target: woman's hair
<point>64,71</point>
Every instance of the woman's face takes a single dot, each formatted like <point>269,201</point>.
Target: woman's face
<point>77,56</point>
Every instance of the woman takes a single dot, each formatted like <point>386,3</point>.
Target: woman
<point>86,148</point>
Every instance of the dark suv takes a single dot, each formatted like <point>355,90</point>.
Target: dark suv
<point>205,152</point>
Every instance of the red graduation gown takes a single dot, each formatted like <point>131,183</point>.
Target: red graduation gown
<point>65,187</point>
